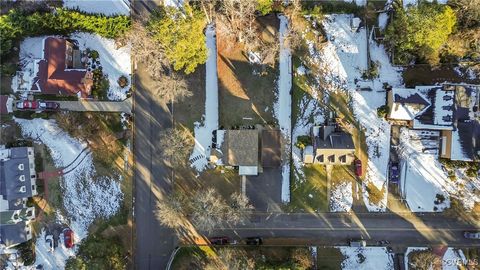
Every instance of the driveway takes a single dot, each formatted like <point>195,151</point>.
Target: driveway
<point>265,190</point>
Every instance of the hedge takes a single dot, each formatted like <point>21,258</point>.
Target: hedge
<point>17,24</point>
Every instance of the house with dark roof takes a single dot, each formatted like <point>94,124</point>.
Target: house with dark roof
<point>17,184</point>
<point>451,109</point>
<point>330,146</point>
<point>62,71</point>
<point>250,150</point>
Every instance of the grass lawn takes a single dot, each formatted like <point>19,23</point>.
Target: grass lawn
<point>225,183</point>
<point>343,173</point>
<point>310,194</point>
<point>191,109</point>
<point>242,94</point>
<point>329,258</point>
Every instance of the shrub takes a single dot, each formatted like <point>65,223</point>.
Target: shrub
<point>382,111</point>
<point>122,81</point>
<point>94,54</point>
<point>303,141</point>
<point>97,252</point>
<point>17,24</point>
<point>372,72</point>
<point>264,6</point>
<point>27,252</point>
<point>439,199</point>
<point>423,259</point>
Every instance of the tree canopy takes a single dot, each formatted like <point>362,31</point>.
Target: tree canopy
<point>419,32</point>
<point>97,252</point>
<point>180,34</point>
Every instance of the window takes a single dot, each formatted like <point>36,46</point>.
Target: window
<point>331,158</point>
<point>21,167</point>
<point>343,159</point>
<point>320,158</point>
<point>33,187</point>
<point>23,189</point>
<point>21,178</point>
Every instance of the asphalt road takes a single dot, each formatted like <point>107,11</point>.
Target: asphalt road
<point>338,228</point>
<point>154,242</point>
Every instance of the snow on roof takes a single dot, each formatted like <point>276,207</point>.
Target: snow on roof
<point>374,257</point>
<point>407,103</point>
<point>6,104</point>
<point>457,150</point>
<point>439,116</point>
<point>382,20</point>
<point>106,7</point>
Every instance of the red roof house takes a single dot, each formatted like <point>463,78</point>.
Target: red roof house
<point>56,74</point>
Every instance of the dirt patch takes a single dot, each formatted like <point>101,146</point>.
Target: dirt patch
<point>190,109</point>
<point>246,91</point>
<point>424,75</point>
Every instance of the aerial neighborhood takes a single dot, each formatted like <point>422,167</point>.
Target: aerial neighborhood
<point>240,134</point>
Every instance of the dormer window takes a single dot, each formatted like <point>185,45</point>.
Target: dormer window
<point>21,167</point>
<point>21,178</point>
<point>23,189</point>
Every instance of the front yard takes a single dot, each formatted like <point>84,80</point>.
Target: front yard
<point>310,193</point>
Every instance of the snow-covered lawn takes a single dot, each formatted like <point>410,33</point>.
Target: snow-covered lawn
<point>106,7</point>
<point>115,61</point>
<point>344,59</point>
<point>422,175</point>
<point>341,197</point>
<point>52,260</point>
<point>203,131</point>
<point>85,197</point>
<point>283,105</point>
<point>366,258</point>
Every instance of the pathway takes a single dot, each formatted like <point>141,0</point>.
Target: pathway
<point>96,106</point>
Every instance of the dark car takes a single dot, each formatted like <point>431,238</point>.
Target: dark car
<point>472,235</point>
<point>253,241</point>
<point>223,240</point>
<point>68,238</point>
<point>394,172</point>
<point>49,105</point>
<point>27,105</point>
<point>358,167</point>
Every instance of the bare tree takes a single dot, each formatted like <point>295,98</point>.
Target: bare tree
<point>207,209</point>
<point>303,258</point>
<point>176,144</point>
<point>172,86</point>
<point>240,208</point>
<point>230,259</point>
<point>171,211</point>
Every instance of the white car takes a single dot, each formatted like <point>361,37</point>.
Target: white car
<point>49,242</point>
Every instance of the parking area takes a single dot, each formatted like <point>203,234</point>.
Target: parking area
<point>265,190</point>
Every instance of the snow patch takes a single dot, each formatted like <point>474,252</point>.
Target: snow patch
<point>84,197</point>
<point>106,7</point>
<point>341,197</point>
<point>203,132</point>
<point>116,62</point>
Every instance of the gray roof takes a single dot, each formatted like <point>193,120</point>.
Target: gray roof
<point>13,234</point>
<point>469,133</point>
<point>10,173</point>
<point>241,147</point>
<point>335,140</point>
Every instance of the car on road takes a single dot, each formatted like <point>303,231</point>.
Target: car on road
<point>222,240</point>
<point>27,105</point>
<point>253,241</point>
<point>49,242</point>
<point>68,238</point>
<point>49,105</point>
<point>358,167</point>
<point>472,235</point>
<point>394,172</point>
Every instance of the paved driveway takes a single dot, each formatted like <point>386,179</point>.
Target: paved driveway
<point>265,190</point>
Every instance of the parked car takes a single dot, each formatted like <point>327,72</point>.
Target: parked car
<point>358,243</point>
<point>49,105</point>
<point>68,238</point>
<point>254,241</point>
<point>49,242</point>
<point>222,240</point>
<point>358,167</point>
<point>472,235</point>
<point>394,172</point>
<point>27,105</point>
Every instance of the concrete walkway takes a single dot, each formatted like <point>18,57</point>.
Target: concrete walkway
<point>97,106</point>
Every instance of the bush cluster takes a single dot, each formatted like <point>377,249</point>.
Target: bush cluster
<point>17,24</point>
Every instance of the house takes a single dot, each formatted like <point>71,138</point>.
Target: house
<point>6,104</point>
<point>62,71</point>
<point>450,109</point>
<point>17,184</point>
<point>330,146</point>
<point>250,150</point>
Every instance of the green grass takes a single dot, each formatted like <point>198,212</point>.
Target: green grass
<point>343,173</point>
<point>329,258</point>
<point>314,184</point>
